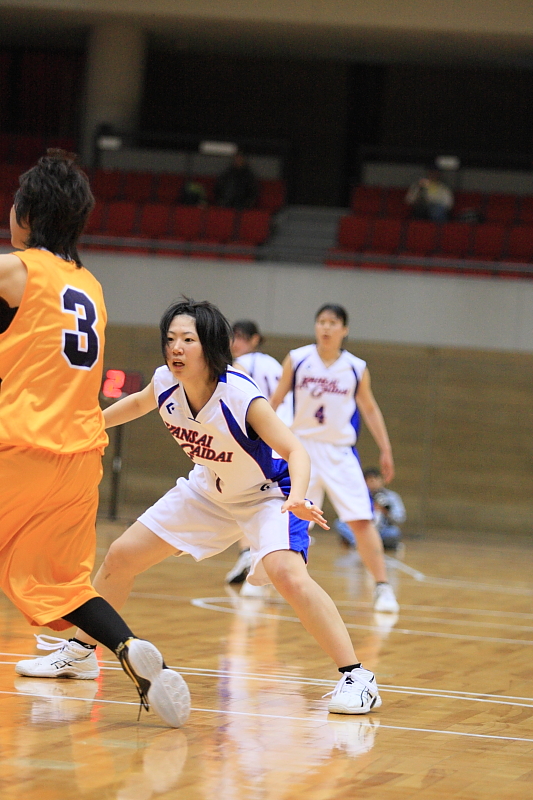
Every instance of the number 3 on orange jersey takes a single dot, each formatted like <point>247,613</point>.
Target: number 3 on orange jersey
<point>80,347</point>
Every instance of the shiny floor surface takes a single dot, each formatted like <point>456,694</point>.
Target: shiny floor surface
<point>455,670</point>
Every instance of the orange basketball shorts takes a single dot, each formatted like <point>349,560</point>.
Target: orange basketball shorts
<point>48,505</point>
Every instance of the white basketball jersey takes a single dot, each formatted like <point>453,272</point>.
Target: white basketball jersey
<point>264,369</point>
<point>230,462</point>
<point>325,407</point>
<point>266,372</point>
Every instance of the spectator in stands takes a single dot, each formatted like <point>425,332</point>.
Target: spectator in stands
<point>193,194</point>
<point>430,198</point>
<point>389,512</point>
<point>236,187</point>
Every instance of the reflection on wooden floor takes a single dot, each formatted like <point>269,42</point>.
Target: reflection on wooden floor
<point>455,670</point>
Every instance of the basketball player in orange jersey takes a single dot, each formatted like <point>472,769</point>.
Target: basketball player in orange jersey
<point>52,435</point>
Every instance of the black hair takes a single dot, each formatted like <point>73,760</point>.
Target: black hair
<point>54,200</point>
<point>246,328</point>
<point>372,472</point>
<point>339,312</point>
<point>214,332</point>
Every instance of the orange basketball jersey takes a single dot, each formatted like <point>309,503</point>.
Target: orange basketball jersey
<point>51,359</point>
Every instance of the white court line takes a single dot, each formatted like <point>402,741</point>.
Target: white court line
<point>420,577</point>
<point>315,722</point>
<point>210,604</point>
<point>446,694</point>
<point>357,604</point>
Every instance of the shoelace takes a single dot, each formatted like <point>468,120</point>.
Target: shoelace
<point>141,684</point>
<point>349,678</point>
<point>45,642</point>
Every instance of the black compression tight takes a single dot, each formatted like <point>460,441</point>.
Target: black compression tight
<point>100,620</point>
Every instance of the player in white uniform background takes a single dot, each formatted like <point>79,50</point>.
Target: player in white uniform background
<point>266,372</point>
<point>237,486</point>
<point>331,389</point>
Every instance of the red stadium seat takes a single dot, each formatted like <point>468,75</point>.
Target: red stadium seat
<point>488,242</point>
<point>95,223</point>
<point>107,183</point>
<point>219,224</point>
<point>386,236</point>
<point>188,223</point>
<point>367,201</point>
<point>468,201</point>
<point>121,218</point>
<point>137,186</point>
<point>455,239</point>
<point>421,237</point>
<point>253,226</point>
<point>271,195</point>
<point>353,232</point>
<point>501,208</point>
<point>395,205</point>
<point>525,214</point>
<point>155,220</point>
<point>168,188</point>
<point>520,244</point>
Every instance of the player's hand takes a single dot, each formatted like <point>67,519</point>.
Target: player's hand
<point>386,465</point>
<point>304,509</point>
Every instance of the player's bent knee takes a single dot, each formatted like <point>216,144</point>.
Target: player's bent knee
<point>120,558</point>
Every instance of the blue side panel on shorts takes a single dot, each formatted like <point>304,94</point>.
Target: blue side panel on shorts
<point>256,448</point>
<point>166,394</point>
<point>298,535</point>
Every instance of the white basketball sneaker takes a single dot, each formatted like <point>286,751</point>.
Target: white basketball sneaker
<point>384,599</point>
<point>69,660</point>
<point>159,687</point>
<point>355,693</point>
<point>241,568</point>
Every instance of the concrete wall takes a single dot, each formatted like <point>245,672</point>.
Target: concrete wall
<point>383,306</point>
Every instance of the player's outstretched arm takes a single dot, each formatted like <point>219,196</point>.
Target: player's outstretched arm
<point>284,385</point>
<point>268,426</point>
<point>13,278</point>
<point>132,407</point>
<point>375,423</point>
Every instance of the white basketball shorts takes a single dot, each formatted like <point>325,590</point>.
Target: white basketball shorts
<point>336,471</point>
<point>203,525</point>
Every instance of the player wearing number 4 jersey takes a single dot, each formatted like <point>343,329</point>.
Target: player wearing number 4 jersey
<point>52,436</point>
<point>331,388</point>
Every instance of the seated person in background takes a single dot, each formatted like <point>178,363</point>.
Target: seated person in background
<point>389,512</point>
<point>388,507</point>
<point>430,198</point>
<point>236,187</point>
<point>193,194</point>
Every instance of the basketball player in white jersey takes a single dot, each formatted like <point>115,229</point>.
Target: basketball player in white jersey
<point>331,388</point>
<point>266,372</point>
<point>228,429</point>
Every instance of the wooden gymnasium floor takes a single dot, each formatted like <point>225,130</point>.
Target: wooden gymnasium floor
<point>455,671</point>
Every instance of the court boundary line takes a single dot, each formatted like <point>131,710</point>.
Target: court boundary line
<point>317,722</point>
<point>210,604</point>
<point>414,691</point>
